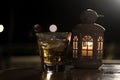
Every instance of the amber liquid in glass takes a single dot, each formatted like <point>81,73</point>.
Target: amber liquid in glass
<point>53,51</point>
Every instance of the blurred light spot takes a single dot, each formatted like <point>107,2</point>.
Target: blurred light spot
<point>111,51</point>
<point>53,28</point>
<point>1,28</point>
<point>49,74</point>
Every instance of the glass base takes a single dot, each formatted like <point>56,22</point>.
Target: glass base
<point>56,68</point>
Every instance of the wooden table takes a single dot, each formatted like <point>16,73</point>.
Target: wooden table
<point>34,73</point>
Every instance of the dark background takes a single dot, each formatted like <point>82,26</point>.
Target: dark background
<point>19,17</point>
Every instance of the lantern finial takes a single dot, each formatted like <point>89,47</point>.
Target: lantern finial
<point>89,16</point>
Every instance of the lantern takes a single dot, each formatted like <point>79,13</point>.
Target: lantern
<point>87,39</point>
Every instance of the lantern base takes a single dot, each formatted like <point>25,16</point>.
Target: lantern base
<point>87,64</point>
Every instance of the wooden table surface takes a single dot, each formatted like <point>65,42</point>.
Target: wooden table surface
<point>34,73</point>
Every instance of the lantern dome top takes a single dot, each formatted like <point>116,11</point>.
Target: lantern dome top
<point>89,16</point>
<point>89,28</point>
<point>88,25</point>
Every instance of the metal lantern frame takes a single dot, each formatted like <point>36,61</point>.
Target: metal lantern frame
<point>87,41</point>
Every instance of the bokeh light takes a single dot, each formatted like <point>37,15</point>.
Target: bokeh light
<point>53,28</point>
<point>1,28</point>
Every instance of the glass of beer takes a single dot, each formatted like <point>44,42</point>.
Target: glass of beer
<point>53,49</point>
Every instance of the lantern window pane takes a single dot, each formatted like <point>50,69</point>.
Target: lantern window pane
<point>84,52</point>
<point>90,53</point>
<point>87,46</point>
<point>100,46</point>
<point>75,47</point>
<point>90,45</point>
<point>100,43</point>
<point>75,42</point>
<point>75,53</point>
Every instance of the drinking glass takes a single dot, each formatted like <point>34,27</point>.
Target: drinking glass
<point>53,49</point>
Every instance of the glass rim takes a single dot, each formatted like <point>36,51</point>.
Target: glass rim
<point>53,32</point>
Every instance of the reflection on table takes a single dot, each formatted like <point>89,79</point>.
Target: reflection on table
<point>34,73</point>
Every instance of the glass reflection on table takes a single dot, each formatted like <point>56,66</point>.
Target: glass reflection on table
<point>50,75</point>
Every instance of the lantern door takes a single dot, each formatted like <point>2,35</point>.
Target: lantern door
<point>87,46</point>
